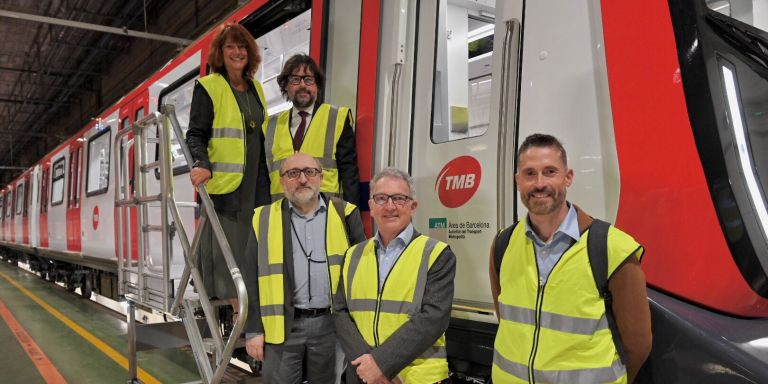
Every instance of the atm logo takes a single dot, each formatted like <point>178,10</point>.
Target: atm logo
<point>458,181</point>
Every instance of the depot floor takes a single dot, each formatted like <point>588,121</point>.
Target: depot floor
<point>49,335</point>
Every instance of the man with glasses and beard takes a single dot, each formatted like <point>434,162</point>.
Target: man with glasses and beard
<point>569,291</point>
<point>321,130</point>
<point>394,298</point>
<point>296,251</point>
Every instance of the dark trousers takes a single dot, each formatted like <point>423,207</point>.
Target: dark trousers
<point>309,348</point>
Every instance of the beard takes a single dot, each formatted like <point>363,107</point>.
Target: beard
<point>303,195</point>
<point>302,99</point>
<point>544,206</point>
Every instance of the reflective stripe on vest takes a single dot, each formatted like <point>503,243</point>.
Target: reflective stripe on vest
<point>320,142</point>
<point>268,228</point>
<point>226,147</point>
<point>556,332</point>
<point>612,374</point>
<point>379,314</point>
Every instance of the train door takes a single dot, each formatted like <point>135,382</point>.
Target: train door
<point>129,113</point>
<point>25,195</point>
<point>565,93</point>
<point>96,208</point>
<point>456,141</point>
<point>6,213</point>
<point>45,182</point>
<point>19,221</point>
<point>56,215</point>
<point>74,235</point>
<point>11,216</point>
<point>2,215</point>
<point>34,207</point>
<point>280,35</point>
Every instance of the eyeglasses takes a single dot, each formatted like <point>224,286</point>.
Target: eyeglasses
<point>296,172</point>
<point>295,80</point>
<point>382,199</point>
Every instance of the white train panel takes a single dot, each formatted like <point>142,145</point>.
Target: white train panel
<point>97,207</point>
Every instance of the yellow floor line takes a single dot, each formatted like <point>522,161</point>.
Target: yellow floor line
<point>102,346</point>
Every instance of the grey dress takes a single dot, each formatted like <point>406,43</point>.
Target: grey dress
<point>235,209</point>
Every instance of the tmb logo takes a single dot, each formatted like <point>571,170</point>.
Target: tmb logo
<point>458,181</point>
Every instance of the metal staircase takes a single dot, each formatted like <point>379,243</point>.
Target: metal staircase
<point>160,281</point>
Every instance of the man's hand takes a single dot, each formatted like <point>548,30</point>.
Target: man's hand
<point>200,175</point>
<point>368,370</point>
<point>255,347</point>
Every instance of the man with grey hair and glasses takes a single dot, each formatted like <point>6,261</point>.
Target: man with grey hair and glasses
<point>393,303</point>
<point>296,250</point>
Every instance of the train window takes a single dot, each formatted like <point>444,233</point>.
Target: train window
<point>44,190</point>
<point>20,198</point>
<point>2,207</point>
<point>75,159</point>
<point>139,114</point>
<point>179,94</point>
<point>462,81</point>
<point>9,204</point>
<point>97,173</point>
<point>57,186</point>
<point>278,45</point>
<point>27,197</point>
<point>752,12</point>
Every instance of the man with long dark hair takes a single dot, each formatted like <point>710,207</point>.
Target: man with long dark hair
<point>321,130</point>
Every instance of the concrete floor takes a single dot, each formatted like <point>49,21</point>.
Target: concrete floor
<point>83,341</point>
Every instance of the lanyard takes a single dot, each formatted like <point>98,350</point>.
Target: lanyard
<point>310,260</point>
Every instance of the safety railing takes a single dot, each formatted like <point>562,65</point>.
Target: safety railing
<point>144,280</point>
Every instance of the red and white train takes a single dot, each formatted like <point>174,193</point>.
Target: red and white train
<point>662,106</point>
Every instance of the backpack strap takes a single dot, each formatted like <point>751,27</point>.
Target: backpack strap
<point>597,248</point>
<point>502,241</point>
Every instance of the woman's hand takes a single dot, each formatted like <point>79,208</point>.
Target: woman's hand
<point>200,175</point>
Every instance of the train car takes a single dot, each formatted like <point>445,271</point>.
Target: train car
<point>661,105</point>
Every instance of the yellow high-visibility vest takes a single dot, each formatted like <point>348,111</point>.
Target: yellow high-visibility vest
<point>379,314</point>
<point>226,147</point>
<point>320,142</point>
<point>556,331</point>
<point>268,228</point>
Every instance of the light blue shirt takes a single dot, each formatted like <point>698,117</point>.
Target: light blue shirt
<point>309,232</point>
<point>548,254</point>
<point>388,255</point>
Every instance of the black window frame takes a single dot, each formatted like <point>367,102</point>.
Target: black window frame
<point>106,130</point>
<point>19,209</point>
<point>180,170</point>
<point>63,162</point>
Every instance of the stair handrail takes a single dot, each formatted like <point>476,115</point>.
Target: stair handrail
<point>190,252</point>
